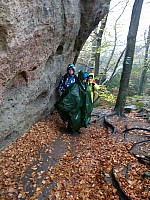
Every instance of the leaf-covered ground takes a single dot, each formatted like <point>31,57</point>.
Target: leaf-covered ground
<point>48,163</point>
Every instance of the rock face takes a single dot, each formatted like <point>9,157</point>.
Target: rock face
<point>37,41</point>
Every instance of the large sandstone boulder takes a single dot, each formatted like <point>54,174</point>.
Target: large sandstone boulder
<point>37,41</point>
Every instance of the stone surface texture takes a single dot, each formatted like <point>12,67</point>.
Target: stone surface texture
<point>37,41</point>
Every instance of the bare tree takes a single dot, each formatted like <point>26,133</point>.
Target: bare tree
<point>114,46</point>
<point>145,67</point>
<point>115,68</point>
<point>128,60</point>
<point>98,45</point>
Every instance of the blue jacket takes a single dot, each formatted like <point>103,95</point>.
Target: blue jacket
<point>66,81</point>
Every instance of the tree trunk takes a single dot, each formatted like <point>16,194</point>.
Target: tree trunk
<point>145,67</point>
<point>128,60</point>
<point>98,45</point>
<point>115,68</point>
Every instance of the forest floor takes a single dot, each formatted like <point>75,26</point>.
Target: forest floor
<point>49,163</point>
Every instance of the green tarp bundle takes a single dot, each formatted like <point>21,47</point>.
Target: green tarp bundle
<point>75,104</point>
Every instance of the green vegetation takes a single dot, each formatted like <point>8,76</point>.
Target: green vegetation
<point>104,97</point>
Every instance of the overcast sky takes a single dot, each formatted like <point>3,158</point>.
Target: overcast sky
<point>145,17</point>
<point>124,21</point>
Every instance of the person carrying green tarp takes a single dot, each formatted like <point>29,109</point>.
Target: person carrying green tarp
<point>75,104</point>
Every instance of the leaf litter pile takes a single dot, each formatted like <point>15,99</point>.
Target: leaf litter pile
<point>49,163</point>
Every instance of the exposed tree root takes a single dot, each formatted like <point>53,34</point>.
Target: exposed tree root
<point>121,193</point>
<point>98,118</point>
<point>137,148</point>
<point>135,128</point>
<point>144,159</point>
<point>110,125</point>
